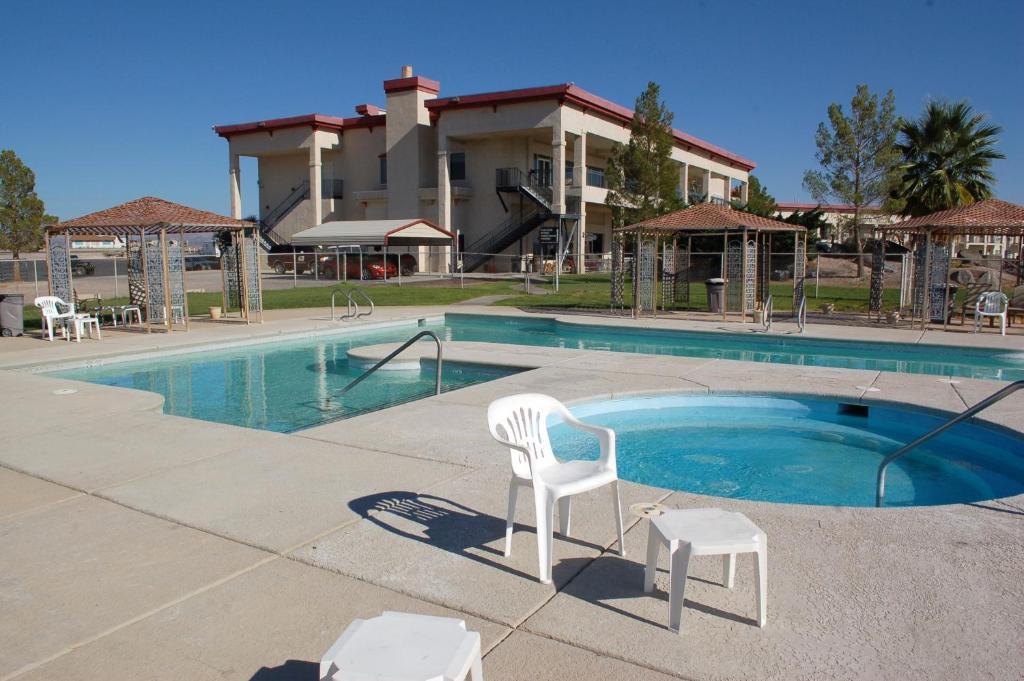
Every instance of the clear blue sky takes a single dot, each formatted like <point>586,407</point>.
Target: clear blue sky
<point>111,101</point>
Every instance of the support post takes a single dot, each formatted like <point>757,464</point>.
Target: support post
<point>238,238</point>
<point>145,277</point>
<point>926,302</point>
<point>49,270</point>
<point>235,185</point>
<point>743,287</point>
<point>164,256</point>
<point>184,288</point>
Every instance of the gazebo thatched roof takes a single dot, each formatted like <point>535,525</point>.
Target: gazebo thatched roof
<point>710,218</point>
<point>151,214</point>
<point>988,217</point>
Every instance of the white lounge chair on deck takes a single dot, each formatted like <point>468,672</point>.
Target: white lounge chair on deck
<point>991,304</point>
<point>520,423</point>
<point>55,313</point>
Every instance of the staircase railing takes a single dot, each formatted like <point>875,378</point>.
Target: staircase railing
<point>499,238</point>
<point>297,195</point>
<point>530,183</point>
<point>984,404</point>
<point>437,379</point>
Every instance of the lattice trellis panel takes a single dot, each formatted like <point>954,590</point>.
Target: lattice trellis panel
<point>252,265</point>
<point>668,274</point>
<point>877,276</point>
<point>799,269</point>
<point>750,276</point>
<point>136,282</point>
<point>60,270</point>
<point>734,275</point>
<point>155,311</point>
<point>618,275</point>
<point>232,276</point>
<point>938,278</point>
<point>176,273</point>
<point>646,276</point>
<point>920,256</point>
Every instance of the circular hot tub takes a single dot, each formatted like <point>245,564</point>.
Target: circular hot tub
<point>798,450</point>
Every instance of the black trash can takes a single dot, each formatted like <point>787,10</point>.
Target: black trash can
<point>716,294</point>
<point>12,314</point>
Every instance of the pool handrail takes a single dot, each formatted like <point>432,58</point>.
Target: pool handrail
<point>349,291</point>
<point>391,355</point>
<point>801,314</point>
<point>984,404</point>
<point>769,310</point>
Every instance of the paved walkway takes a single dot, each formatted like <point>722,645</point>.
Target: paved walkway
<point>139,545</point>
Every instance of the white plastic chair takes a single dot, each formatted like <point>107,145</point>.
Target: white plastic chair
<point>50,307</point>
<point>520,423</point>
<point>991,304</point>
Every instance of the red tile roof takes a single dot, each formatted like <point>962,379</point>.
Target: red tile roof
<point>571,93</point>
<point>148,211</point>
<point>315,121</point>
<point>991,216</point>
<point>708,217</point>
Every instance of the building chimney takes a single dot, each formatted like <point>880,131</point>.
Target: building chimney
<point>407,71</point>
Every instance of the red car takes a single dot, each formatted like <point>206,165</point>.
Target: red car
<point>326,264</point>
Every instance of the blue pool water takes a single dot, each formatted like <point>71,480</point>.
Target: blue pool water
<point>286,386</point>
<point>801,451</point>
<point>938,360</point>
<point>292,385</point>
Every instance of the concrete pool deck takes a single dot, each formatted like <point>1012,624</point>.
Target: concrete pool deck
<point>135,544</point>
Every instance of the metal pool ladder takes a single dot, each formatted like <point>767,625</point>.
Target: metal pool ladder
<point>767,312</point>
<point>801,314</point>
<point>984,404</point>
<point>351,303</point>
<point>395,353</point>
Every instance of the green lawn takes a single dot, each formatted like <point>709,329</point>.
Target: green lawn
<point>589,291</point>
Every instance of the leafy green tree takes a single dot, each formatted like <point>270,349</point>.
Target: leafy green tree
<point>642,178</point>
<point>947,158</point>
<point>22,213</point>
<point>858,157</point>
<point>759,201</point>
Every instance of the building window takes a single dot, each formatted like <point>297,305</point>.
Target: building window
<point>457,166</point>
<point>595,177</point>
<point>383,172</point>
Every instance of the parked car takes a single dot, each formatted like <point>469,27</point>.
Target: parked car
<point>282,260</point>
<point>81,268</point>
<point>373,266</point>
<point>202,262</point>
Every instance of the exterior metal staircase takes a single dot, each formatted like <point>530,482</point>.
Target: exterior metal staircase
<point>536,190</point>
<point>330,188</point>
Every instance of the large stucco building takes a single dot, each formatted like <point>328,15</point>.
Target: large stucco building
<point>494,166</point>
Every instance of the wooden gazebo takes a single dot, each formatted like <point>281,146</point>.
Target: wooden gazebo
<point>933,235</point>
<point>746,256</point>
<point>154,233</point>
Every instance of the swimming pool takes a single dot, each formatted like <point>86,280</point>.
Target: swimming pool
<point>284,386</point>
<point>910,358</point>
<point>799,451</point>
<point>290,385</point>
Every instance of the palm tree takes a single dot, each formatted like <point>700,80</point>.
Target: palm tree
<point>947,158</point>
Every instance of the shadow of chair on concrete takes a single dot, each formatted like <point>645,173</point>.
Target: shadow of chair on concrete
<point>292,670</point>
<point>456,528</point>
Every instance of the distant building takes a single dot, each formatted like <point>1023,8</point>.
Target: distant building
<point>840,217</point>
<point>494,166</point>
<point>96,243</point>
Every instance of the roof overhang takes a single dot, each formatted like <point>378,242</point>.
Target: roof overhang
<point>406,232</point>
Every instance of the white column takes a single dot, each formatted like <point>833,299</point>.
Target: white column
<point>745,191</point>
<point>706,186</point>
<point>315,175</point>
<point>444,197</point>
<point>235,175</point>
<point>579,159</point>
<point>684,180</point>
<point>558,169</point>
<point>727,189</point>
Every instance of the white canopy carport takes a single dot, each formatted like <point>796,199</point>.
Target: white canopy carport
<point>374,233</point>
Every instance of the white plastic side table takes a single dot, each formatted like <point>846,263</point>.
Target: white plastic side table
<point>400,646</point>
<point>705,532</point>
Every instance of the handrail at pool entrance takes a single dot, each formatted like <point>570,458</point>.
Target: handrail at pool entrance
<point>769,310</point>
<point>349,291</point>
<point>801,314</point>
<point>984,404</point>
<point>395,353</point>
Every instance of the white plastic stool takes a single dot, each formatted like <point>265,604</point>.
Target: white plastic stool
<point>128,311</point>
<point>87,321</point>
<point>705,532</point>
<point>399,646</point>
